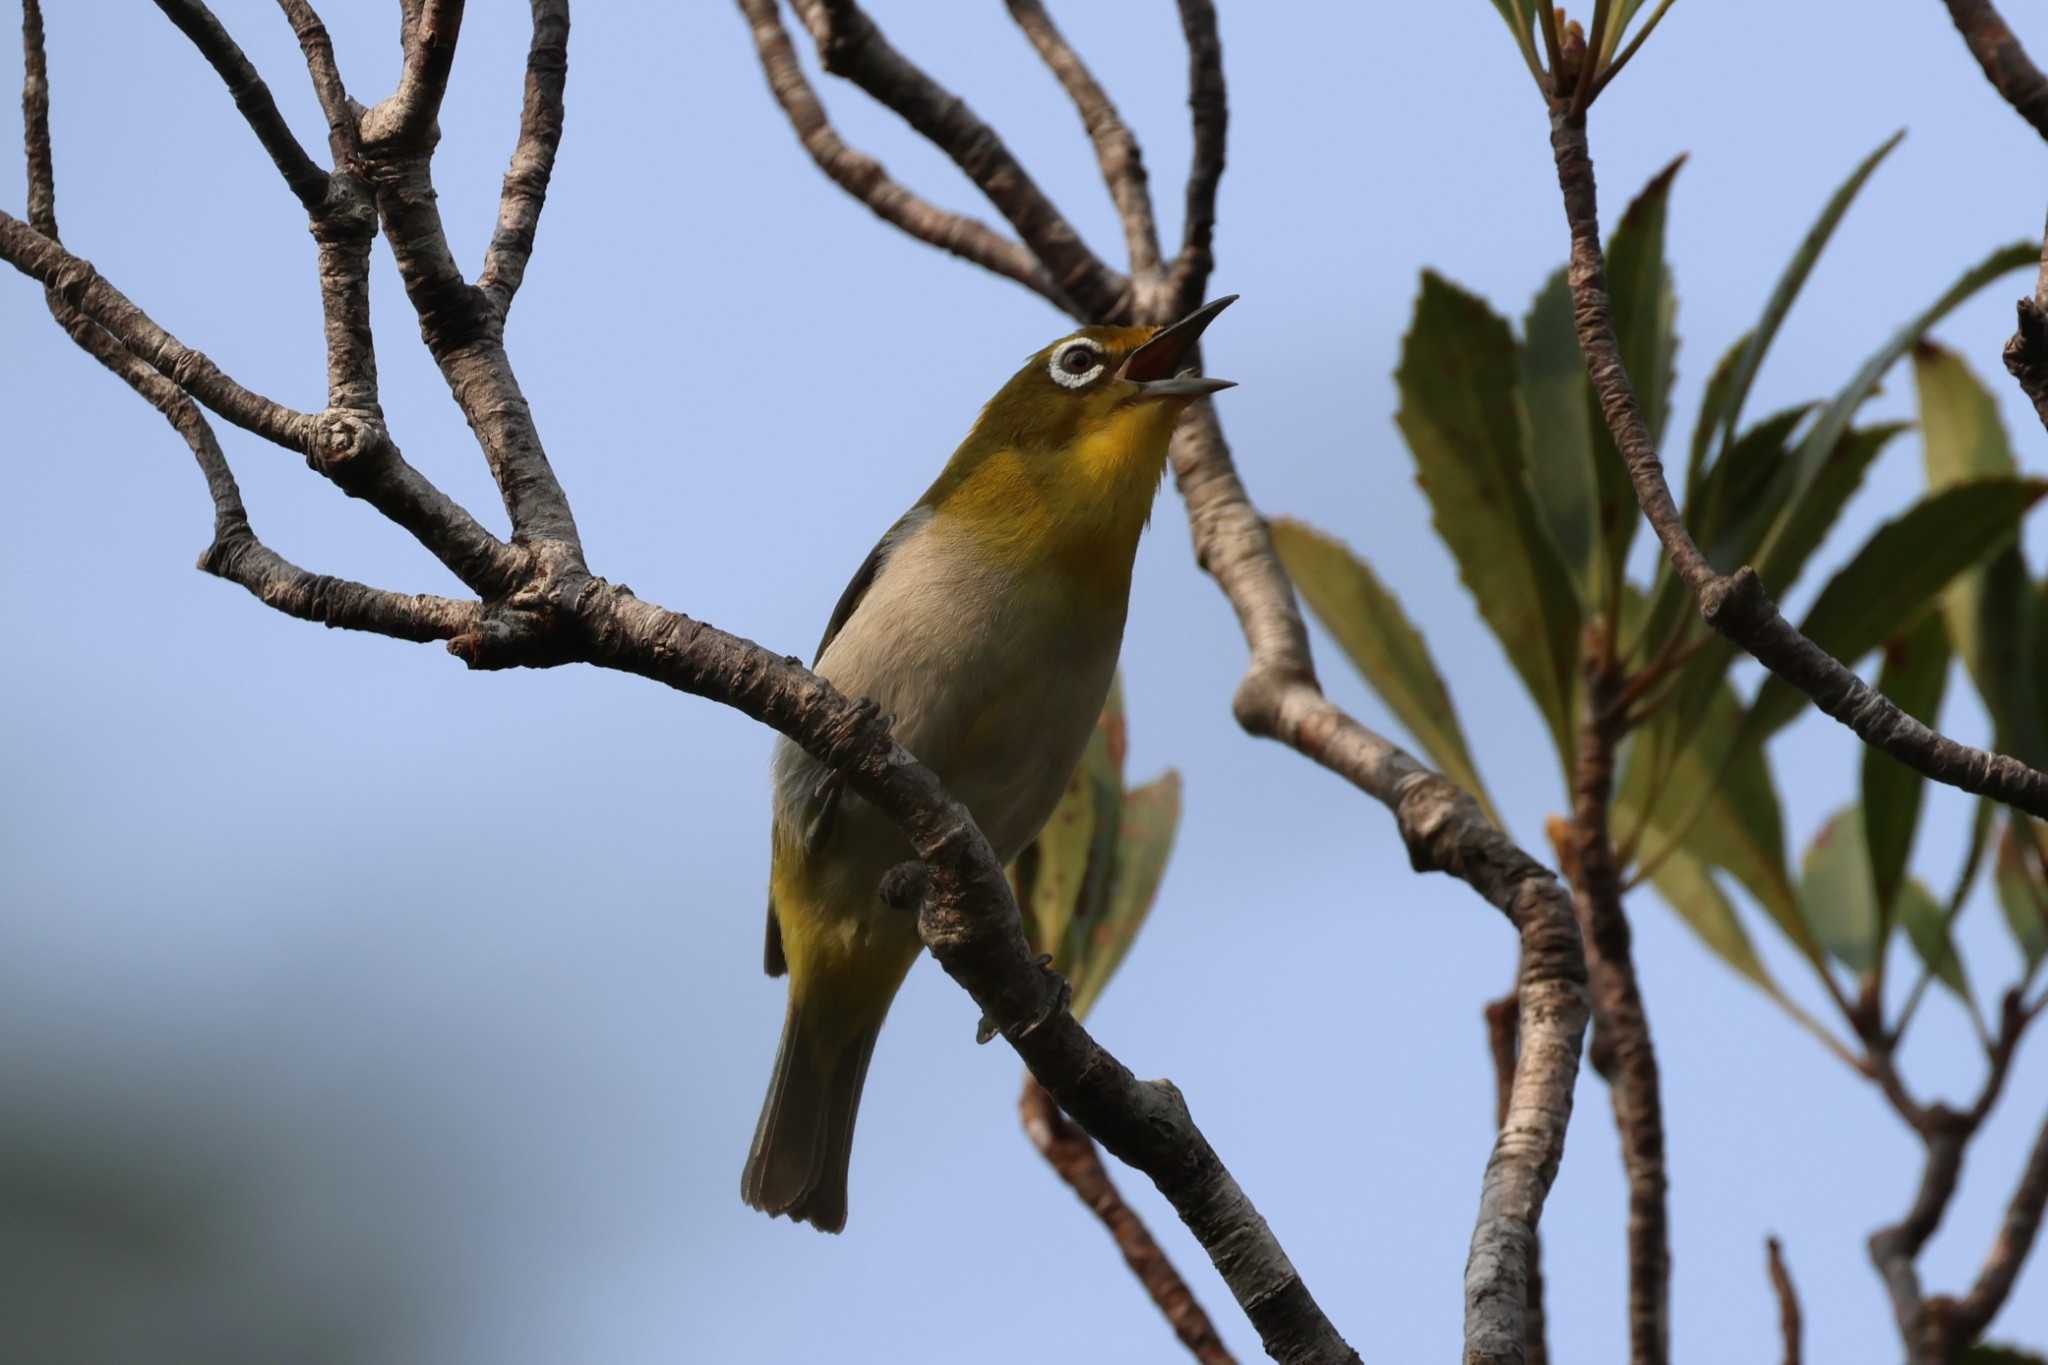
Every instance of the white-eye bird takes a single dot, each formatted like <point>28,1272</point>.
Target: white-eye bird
<point>987,624</point>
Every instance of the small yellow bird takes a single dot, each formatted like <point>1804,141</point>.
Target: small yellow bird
<point>987,624</point>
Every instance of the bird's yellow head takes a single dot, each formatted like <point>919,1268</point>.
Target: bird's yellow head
<point>1061,467</point>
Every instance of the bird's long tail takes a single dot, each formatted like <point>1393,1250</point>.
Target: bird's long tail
<point>805,1137</point>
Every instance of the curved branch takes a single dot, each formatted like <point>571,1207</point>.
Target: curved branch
<point>406,121</point>
<point>1787,1296</point>
<point>1209,111</point>
<point>533,157</point>
<point>865,179</point>
<point>343,138</point>
<point>1073,1158</point>
<point>850,45</point>
<point>1973,1313</point>
<point>251,96</point>
<point>2004,61</point>
<point>1736,604</point>
<point>1116,150</point>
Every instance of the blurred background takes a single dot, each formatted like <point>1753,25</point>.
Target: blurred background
<point>356,1009</point>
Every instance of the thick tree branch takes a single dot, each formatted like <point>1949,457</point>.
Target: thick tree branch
<point>1622,1050</point>
<point>1787,1296</point>
<point>850,45</point>
<point>864,178</point>
<point>1116,149</point>
<point>251,96</point>
<point>1736,604</point>
<point>1503,1021</point>
<point>406,121</point>
<point>1073,1158</point>
<point>343,137</point>
<point>533,157</point>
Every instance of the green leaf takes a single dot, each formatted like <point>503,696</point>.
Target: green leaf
<point>1835,892</point>
<point>1915,675</point>
<point>1378,638</point>
<point>1561,422</point>
<point>1735,510</point>
<point>1462,423</point>
<point>1714,405</point>
<point>1790,283</point>
<point>1717,803</point>
<point>1991,608</point>
<point>1814,451</point>
<point>1927,929</point>
<point>2020,893</point>
<point>1061,879</point>
<point>1150,818</point>
<point>1688,887</point>
<point>1899,568</point>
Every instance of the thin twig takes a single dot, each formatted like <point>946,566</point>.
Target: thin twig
<point>1737,604</point>
<point>863,177</point>
<point>1074,1160</point>
<point>850,45</point>
<point>1209,115</point>
<point>1787,1296</point>
<point>1116,150</point>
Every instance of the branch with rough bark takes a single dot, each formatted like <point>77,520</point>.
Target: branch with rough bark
<point>538,605</point>
<point>1074,1160</point>
<point>1736,604</point>
<point>1279,697</point>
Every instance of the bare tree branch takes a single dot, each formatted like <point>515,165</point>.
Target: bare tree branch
<point>1209,110</point>
<point>1503,1020</point>
<point>1973,1313</point>
<point>850,45</point>
<point>533,158</point>
<point>1736,604</point>
<point>2005,62</point>
<point>1073,1158</point>
<point>1116,149</point>
<point>343,137</point>
<point>1787,1296</point>
<point>406,121</point>
<point>864,178</point>
<point>251,96</point>
<point>1622,1050</point>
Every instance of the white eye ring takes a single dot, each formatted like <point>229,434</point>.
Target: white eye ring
<point>1069,379</point>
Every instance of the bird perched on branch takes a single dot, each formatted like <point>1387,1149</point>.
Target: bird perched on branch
<point>987,624</point>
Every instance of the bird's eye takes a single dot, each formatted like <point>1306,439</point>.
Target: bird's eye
<point>1076,363</point>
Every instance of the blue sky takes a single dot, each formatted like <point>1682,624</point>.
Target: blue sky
<point>349,993</point>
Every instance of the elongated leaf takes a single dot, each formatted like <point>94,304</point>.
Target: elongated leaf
<point>1792,281</point>
<point>1834,420</point>
<point>1717,803</point>
<point>1915,675</point>
<point>1459,415</point>
<point>1688,887</point>
<point>1735,508</point>
<point>1561,421</point>
<point>1901,567</point>
<point>1378,638</point>
<point>1714,406</point>
<point>1150,818</point>
<point>1991,607</point>
<point>2020,892</point>
<point>1835,892</point>
<point>1927,930</point>
<point>1645,314</point>
<point>1062,879</point>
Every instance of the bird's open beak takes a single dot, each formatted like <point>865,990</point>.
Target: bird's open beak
<point>1158,367</point>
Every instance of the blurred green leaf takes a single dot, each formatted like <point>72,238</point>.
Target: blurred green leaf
<point>1389,652</point>
<point>1902,566</point>
<point>1820,442</point>
<point>1914,676</point>
<point>1645,312</point>
<point>1688,887</point>
<point>1927,930</point>
<point>1716,802</point>
<point>1459,414</point>
<point>2020,892</point>
<point>1150,818</point>
<point>1720,392</point>
<point>1788,287</point>
<point>1992,607</point>
<point>1835,892</point>
<point>1561,421</point>
<point>1735,509</point>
